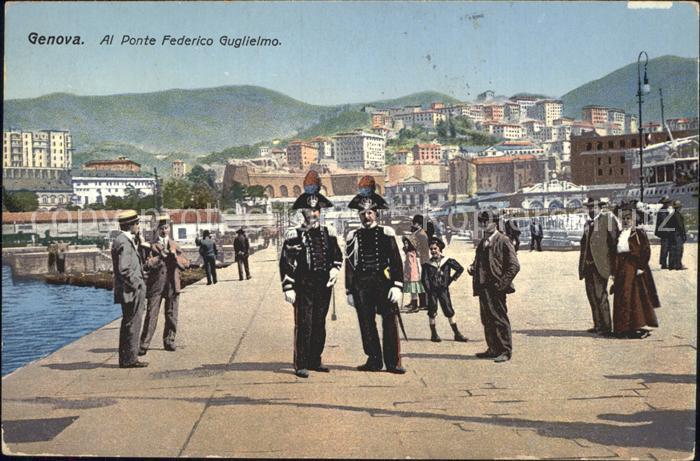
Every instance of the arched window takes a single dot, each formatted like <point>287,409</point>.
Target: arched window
<point>269,191</point>
<point>296,190</point>
<point>283,191</point>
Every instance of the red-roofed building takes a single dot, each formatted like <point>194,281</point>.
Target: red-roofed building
<point>119,164</point>
<point>676,124</point>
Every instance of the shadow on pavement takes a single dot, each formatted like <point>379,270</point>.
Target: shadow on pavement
<point>73,366</point>
<point>664,429</point>
<point>658,378</point>
<point>103,350</point>
<point>422,355</point>
<point>557,333</point>
<point>34,430</point>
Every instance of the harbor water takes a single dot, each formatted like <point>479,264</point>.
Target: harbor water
<point>38,318</point>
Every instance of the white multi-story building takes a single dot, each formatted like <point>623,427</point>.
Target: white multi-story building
<point>448,153</point>
<point>616,116</point>
<point>424,118</point>
<point>557,132</point>
<point>359,150</point>
<point>527,105</point>
<point>37,149</point>
<point>94,186</point>
<point>264,151</point>
<point>324,146</point>
<point>511,112</point>
<point>508,131</point>
<point>548,110</point>
<point>630,123</point>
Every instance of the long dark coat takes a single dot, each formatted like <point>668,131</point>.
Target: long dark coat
<point>635,295</point>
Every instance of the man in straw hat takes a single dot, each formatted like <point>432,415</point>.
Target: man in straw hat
<point>309,266</point>
<point>163,265</point>
<point>129,288</point>
<point>598,246</point>
<point>493,270</point>
<point>663,231</point>
<point>374,280</point>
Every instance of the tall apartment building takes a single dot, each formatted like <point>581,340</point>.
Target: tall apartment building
<point>548,110</point>
<point>508,131</point>
<point>180,168</point>
<point>324,146</point>
<point>37,149</point>
<point>616,117</point>
<point>301,155</point>
<point>527,105</point>
<point>511,112</point>
<point>631,123</point>
<point>597,115</point>
<point>359,150</point>
<point>508,174</point>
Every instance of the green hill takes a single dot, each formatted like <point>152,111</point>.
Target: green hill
<point>677,76</point>
<point>197,121</point>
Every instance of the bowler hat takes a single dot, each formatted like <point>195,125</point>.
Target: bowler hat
<point>592,202</point>
<point>488,216</point>
<point>438,242</point>
<point>128,217</point>
<point>240,231</point>
<point>665,199</point>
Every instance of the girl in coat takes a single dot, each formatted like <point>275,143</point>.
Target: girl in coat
<point>411,274</point>
<point>634,288</point>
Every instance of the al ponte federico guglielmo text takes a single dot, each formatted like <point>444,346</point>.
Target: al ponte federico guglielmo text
<point>36,38</point>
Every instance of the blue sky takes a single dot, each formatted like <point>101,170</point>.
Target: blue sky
<point>340,52</point>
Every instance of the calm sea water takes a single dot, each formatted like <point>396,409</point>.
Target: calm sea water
<point>38,318</point>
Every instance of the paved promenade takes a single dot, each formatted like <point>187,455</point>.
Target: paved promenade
<point>230,391</point>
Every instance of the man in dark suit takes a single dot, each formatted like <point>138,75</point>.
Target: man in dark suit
<point>663,231</point>
<point>309,266</point>
<point>678,237</point>
<point>438,274</point>
<point>163,266</point>
<point>598,247</point>
<point>129,288</point>
<point>374,280</point>
<point>493,270</point>
<point>241,246</point>
<point>209,251</point>
<point>535,235</point>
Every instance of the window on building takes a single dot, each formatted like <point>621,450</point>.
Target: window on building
<point>600,172</point>
<point>634,142</point>
<point>609,171</point>
<point>181,233</point>
<point>622,159</point>
<point>622,171</point>
<point>611,144</point>
<point>622,143</point>
<point>599,146</point>
<point>600,160</point>
<point>589,146</point>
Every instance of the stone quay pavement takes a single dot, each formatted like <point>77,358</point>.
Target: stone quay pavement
<point>230,391</point>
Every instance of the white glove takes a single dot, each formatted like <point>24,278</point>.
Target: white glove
<point>332,277</point>
<point>351,301</point>
<point>290,296</point>
<point>640,272</point>
<point>394,295</point>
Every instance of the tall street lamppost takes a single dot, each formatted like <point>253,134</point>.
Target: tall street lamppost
<point>641,90</point>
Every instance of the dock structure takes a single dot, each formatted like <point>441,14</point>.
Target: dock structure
<point>229,390</point>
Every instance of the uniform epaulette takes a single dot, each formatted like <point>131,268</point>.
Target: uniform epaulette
<point>388,231</point>
<point>290,233</point>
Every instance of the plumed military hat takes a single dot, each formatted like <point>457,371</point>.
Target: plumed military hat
<point>128,217</point>
<point>311,198</point>
<point>367,198</point>
<point>438,242</point>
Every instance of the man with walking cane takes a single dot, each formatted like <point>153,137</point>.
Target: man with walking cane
<point>309,266</point>
<point>374,280</point>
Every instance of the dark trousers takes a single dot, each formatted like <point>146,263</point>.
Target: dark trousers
<point>243,262</point>
<point>151,320</point>
<point>536,240</point>
<point>130,328</point>
<point>310,311</point>
<point>676,252</point>
<point>370,297</point>
<point>422,299</point>
<point>664,257</point>
<point>210,268</point>
<point>494,318</point>
<point>61,265</point>
<point>597,292</point>
<point>442,297</point>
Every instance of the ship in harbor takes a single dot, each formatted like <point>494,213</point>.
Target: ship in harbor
<point>670,168</point>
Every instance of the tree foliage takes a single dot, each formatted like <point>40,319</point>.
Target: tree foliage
<point>19,201</point>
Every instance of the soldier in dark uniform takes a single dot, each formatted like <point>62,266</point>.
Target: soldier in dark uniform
<point>309,267</point>
<point>374,280</point>
<point>438,274</point>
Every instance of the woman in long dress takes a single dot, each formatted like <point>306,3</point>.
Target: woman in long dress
<point>411,272</point>
<point>634,288</point>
